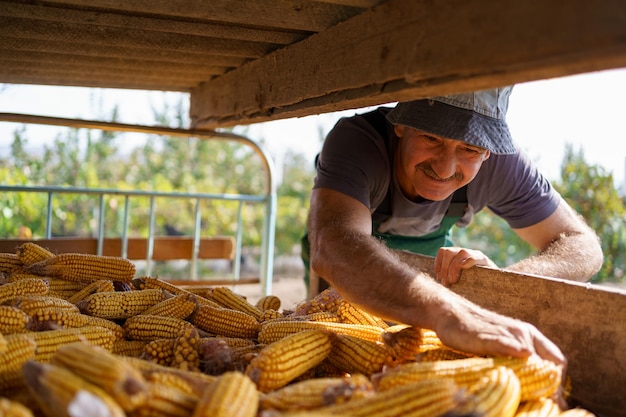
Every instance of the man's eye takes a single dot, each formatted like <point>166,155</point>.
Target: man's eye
<point>472,151</point>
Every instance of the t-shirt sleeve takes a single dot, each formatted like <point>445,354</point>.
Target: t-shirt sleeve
<point>354,162</point>
<point>518,192</point>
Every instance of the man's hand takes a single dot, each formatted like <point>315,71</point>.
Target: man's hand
<point>450,261</point>
<point>470,328</point>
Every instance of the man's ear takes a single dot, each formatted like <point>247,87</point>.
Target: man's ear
<point>398,130</point>
<point>487,155</point>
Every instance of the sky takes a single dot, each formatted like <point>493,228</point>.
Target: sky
<point>586,111</point>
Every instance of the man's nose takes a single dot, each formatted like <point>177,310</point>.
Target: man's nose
<point>444,163</point>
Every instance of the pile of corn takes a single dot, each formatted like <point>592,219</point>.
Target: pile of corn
<point>81,336</point>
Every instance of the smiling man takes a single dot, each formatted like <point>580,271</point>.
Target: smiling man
<point>401,178</point>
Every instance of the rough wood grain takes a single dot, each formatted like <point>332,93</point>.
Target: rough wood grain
<point>588,323</point>
<point>404,50</point>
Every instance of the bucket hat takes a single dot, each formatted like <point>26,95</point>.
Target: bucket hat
<point>478,118</point>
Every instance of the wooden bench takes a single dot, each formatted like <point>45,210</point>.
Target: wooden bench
<point>165,248</point>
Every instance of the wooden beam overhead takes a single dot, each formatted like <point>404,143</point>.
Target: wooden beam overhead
<point>403,50</point>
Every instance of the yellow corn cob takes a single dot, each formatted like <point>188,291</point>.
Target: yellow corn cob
<point>272,331</point>
<point>496,394</point>
<point>102,285</point>
<point>48,342</point>
<point>427,398</point>
<point>324,316</point>
<point>33,303</point>
<point>85,267</point>
<point>120,304</point>
<point>226,322</point>
<point>10,263</point>
<point>133,348</point>
<point>19,349</point>
<point>577,412</point>
<point>146,327</point>
<point>270,315</point>
<point>54,318</point>
<point>441,354</point>
<point>543,407</point>
<point>186,345</point>
<point>13,320</point>
<point>407,341</point>
<point>538,377</point>
<point>464,372</point>
<point>61,393</point>
<point>63,288</point>
<point>317,392</point>
<point>28,286</point>
<point>166,401</point>
<point>30,253</point>
<point>269,302</point>
<point>229,299</point>
<point>17,276</point>
<point>233,394</point>
<point>352,314</point>
<point>160,351</point>
<point>3,344</point>
<point>102,368</point>
<point>172,381</point>
<point>328,300</point>
<point>9,408</point>
<point>284,360</point>
<point>355,355</point>
<point>152,282</point>
<point>180,306</point>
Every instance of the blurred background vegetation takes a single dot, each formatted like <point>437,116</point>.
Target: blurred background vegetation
<point>106,160</point>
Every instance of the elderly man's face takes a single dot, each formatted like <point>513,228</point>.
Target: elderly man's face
<point>433,167</point>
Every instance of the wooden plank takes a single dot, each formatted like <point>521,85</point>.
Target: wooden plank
<point>588,323</point>
<point>165,247</point>
<point>402,50</point>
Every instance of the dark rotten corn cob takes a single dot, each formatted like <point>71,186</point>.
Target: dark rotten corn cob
<point>85,267</point>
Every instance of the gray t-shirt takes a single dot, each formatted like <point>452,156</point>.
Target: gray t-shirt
<point>355,161</point>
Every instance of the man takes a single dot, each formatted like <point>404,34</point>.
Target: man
<point>400,178</point>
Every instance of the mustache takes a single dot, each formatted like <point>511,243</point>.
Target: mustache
<point>427,168</point>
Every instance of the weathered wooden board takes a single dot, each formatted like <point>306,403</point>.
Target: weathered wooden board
<point>165,247</point>
<point>588,323</point>
<point>403,50</point>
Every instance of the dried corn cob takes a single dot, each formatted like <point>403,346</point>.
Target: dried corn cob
<point>30,253</point>
<point>269,302</point>
<point>180,306</point>
<point>48,342</point>
<point>538,377</point>
<point>166,401</point>
<point>120,304</point>
<point>19,349</point>
<point>152,282</point>
<point>328,300</point>
<point>577,412</point>
<point>496,394</point>
<point>233,394</point>
<point>146,327</point>
<point>186,345</point>
<point>427,398</point>
<point>32,303</point>
<point>9,408</point>
<point>317,392</point>
<point>10,263</point>
<point>225,322</point>
<point>61,393</point>
<point>354,355</point>
<point>272,331</point>
<point>17,276</point>
<point>102,285</point>
<point>160,351</point>
<point>407,341</point>
<point>28,286</point>
<point>442,354</point>
<point>349,313</point>
<point>229,299</point>
<point>3,344</point>
<point>85,267</point>
<point>102,368</point>
<point>284,360</point>
<point>133,348</point>
<point>464,372</point>
<point>543,407</point>
<point>13,320</point>
<point>63,288</point>
<point>270,315</point>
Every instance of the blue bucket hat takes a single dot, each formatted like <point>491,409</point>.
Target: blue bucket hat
<point>477,118</point>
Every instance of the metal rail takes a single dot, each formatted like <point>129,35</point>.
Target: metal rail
<point>269,198</point>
